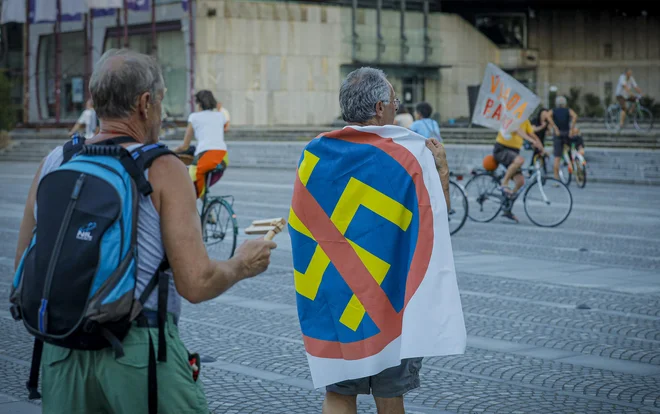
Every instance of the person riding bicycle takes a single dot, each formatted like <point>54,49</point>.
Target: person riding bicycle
<point>563,122</point>
<point>624,93</point>
<point>541,126</point>
<point>507,152</point>
<point>207,126</point>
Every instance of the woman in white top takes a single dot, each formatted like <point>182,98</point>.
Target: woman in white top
<point>207,125</point>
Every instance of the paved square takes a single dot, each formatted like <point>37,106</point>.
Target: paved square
<point>530,350</point>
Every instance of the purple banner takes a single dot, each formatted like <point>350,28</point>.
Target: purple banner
<point>184,4</point>
<point>138,5</point>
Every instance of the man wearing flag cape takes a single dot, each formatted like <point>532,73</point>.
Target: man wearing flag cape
<point>374,271</point>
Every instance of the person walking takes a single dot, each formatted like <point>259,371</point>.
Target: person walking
<point>87,120</point>
<point>424,125</point>
<point>127,89</point>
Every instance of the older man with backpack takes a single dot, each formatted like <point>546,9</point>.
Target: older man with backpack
<point>109,244</point>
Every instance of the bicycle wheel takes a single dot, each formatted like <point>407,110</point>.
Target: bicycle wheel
<point>612,117</point>
<point>580,172</point>
<point>459,207</point>
<point>643,119</point>
<point>219,229</point>
<point>564,173</point>
<point>484,199</point>
<point>548,202</point>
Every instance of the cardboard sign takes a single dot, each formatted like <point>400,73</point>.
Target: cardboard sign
<point>503,102</point>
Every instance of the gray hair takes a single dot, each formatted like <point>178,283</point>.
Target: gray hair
<point>360,92</point>
<point>561,101</point>
<point>120,77</point>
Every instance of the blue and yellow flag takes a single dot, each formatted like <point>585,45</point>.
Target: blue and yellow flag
<point>374,271</point>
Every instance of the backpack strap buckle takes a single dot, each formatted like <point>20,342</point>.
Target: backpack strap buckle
<point>15,313</point>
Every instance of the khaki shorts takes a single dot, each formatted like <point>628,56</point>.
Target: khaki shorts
<point>393,382</point>
<point>85,382</point>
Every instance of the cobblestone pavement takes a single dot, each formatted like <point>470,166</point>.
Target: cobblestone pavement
<point>530,350</point>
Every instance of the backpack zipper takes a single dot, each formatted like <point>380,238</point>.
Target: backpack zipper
<point>43,312</point>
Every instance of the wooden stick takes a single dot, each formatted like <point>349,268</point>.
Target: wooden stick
<point>269,227</point>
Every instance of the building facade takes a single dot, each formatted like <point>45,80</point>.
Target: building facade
<point>281,62</point>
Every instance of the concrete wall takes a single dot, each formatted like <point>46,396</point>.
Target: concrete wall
<point>468,52</point>
<point>574,48</point>
<point>271,63</point>
<point>274,63</point>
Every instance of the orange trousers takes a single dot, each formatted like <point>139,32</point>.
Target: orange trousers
<point>205,164</point>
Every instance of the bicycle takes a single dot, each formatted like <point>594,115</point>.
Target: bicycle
<point>573,164</point>
<point>458,212</point>
<point>642,117</point>
<point>216,213</point>
<point>548,202</point>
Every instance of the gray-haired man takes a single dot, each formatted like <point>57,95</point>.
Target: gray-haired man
<point>562,120</point>
<point>127,89</point>
<point>366,98</point>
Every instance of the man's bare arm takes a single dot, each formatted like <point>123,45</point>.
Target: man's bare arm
<point>574,118</point>
<point>552,123</point>
<point>187,139</point>
<point>28,222</point>
<point>440,157</point>
<point>197,278</point>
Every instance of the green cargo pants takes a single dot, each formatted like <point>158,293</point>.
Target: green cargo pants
<point>90,382</point>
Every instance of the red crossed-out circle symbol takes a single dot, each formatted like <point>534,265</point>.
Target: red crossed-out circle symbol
<point>349,265</point>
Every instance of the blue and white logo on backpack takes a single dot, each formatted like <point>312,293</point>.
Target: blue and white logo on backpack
<point>85,232</point>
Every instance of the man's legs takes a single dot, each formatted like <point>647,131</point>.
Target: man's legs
<point>339,404</point>
<point>624,109</point>
<point>387,387</point>
<point>557,150</point>
<point>390,405</point>
<point>511,172</point>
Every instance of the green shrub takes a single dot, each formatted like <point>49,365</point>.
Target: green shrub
<point>650,103</point>
<point>592,106</point>
<point>573,98</point>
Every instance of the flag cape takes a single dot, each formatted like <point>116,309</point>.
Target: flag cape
<point>373,263</point>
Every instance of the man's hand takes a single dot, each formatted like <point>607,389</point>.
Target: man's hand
<point>440,157</point>
<point>254,256</point>
<point>557,131</point>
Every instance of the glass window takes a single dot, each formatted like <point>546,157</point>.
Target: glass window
<point>505,30</point>
<point>72,63</point>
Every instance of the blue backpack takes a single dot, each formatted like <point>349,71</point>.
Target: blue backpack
<point>75,285</point>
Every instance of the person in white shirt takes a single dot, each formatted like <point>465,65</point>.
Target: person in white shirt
<point>88,120</point>
<point>624,92</point>
<point>207,125</point>
<point>403,118</point>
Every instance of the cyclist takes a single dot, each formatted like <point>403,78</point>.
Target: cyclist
<point>563,122</point>
<point>507,152</point>
<point>207,126</point>
<point>540,129</point>
<point>624,93</point>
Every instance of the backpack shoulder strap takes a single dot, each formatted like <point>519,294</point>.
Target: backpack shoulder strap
<point>147,154</point>
<point>72,147</point>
